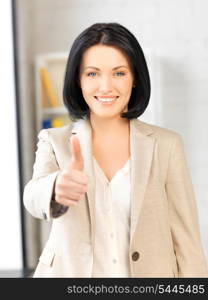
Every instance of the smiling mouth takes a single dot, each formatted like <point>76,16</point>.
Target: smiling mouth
<point>106,100</point>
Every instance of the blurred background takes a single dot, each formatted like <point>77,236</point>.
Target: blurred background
<point>36,37</point>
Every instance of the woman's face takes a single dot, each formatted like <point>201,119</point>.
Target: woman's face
<point>105,75</point>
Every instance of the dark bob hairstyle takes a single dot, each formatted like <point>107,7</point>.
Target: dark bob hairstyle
<point>110,34</point>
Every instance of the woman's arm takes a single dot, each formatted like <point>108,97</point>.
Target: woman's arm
<point>184,215</point>
<point>38,192</point>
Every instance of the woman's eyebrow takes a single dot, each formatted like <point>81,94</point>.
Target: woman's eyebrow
<point>91,67</point>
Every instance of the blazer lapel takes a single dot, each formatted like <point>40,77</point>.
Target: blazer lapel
<point>141,148</point>
<point>82,129</point>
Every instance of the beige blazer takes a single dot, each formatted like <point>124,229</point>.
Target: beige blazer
<point>164,236</point>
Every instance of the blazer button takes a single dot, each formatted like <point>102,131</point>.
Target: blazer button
<point>135,256</point>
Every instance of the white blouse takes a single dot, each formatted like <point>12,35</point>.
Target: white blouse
<point>112,224</point>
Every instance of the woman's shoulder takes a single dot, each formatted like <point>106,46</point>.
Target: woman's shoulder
<point>158,131</point>
<point>55,133</point>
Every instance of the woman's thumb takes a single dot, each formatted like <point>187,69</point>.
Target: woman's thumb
<point>76,154</point>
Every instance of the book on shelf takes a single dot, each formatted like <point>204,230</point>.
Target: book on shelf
<point>54,122</point>
<point>48,93</point>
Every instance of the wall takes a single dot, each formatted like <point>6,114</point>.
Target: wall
<point>175,31</point>
<point>10,221</point>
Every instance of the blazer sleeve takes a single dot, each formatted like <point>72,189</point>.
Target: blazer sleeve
<point>183,214</point>
<point>38,192</point>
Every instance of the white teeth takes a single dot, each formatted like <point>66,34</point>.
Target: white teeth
<point>106,99</point>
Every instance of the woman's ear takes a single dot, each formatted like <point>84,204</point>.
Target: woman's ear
<point>134,82</point>
<point>78,82</point>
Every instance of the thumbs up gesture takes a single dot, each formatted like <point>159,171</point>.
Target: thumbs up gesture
<point>71,183</point>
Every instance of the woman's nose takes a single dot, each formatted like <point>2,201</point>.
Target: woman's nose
<point>105,84</point>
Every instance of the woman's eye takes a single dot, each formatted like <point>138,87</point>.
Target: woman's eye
<point>120,73</point>
<point>91,74</point>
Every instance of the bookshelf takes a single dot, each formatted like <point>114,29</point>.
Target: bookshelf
<point>49,77</point>
<point>50,110</point>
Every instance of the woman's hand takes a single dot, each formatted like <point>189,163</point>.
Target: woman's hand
<point>71,183</point>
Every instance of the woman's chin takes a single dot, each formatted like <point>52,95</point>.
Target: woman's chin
<point>104,114</point>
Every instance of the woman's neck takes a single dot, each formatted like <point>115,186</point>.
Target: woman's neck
<point>109,128</point>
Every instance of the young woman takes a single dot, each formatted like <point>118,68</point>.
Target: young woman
<point>118,189</point>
